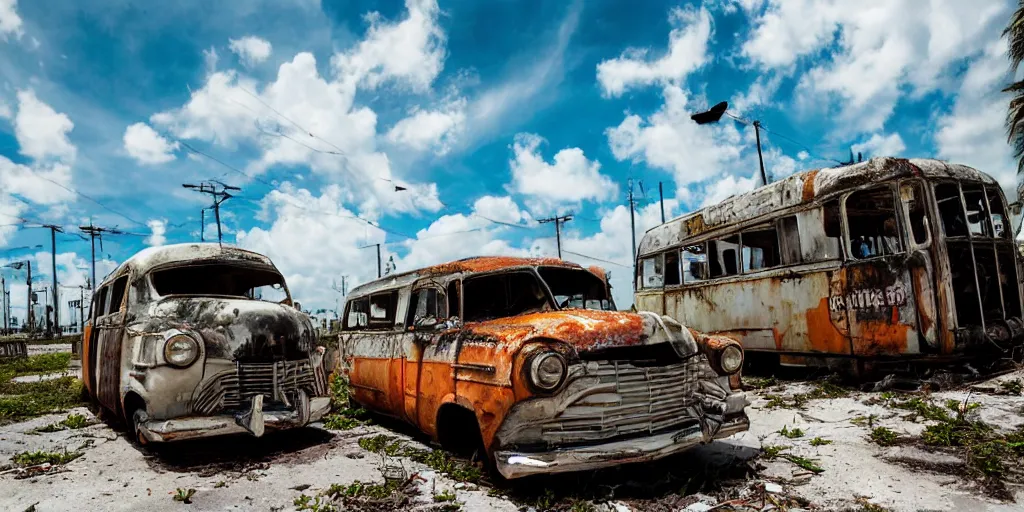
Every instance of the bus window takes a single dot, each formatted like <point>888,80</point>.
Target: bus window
<point>871,220</point>
<point>760,249</point>
<point>652,274</point>
<point>977,213</point>
<point>999,221</point>
<point>820,232</point>
<point>789,240</point>
<point>695,263</point>
<point>672,277</point>
<point>913,199</point>
<point>724,256</point>
<point>951,210</point>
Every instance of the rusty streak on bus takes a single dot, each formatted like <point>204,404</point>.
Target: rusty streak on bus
<point>889,258</point>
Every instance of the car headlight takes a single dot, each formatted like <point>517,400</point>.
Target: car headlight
<point>181,350</point>
<point>547,371</point>
<point>731,359</point>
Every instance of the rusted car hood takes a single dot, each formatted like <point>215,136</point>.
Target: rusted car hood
<point>237,329</point>
<point>586,330</point>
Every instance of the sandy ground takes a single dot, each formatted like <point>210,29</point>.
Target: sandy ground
<point>243,473</point>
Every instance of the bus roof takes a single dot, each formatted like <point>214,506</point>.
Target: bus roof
<point>800,188</point>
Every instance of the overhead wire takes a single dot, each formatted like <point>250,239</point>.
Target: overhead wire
<point>596,259</point>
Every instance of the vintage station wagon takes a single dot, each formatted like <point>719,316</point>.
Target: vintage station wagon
<point>197,340</point>
<point>497,353</point>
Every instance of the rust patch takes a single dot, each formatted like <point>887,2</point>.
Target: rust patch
<point>808,192</point>
<point>489,263</point>
<point>695,225</point>
<point>822,333</point>
<point>881,337</point>
<point>583,329</point>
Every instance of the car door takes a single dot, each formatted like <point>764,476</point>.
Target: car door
<point>110,334</point>
<point>91,347</point>
<point>426,358</point>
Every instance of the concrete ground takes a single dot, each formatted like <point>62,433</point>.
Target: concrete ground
<point>244,473</point>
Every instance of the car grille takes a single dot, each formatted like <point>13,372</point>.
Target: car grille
<point>235,388</point>
<point>632,400</point>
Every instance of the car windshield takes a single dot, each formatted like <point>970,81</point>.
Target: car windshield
<point>506,294</point>
<point>221,279</point>
<point>576,288</point>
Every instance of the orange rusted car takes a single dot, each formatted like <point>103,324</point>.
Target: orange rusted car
<point>499,353</point>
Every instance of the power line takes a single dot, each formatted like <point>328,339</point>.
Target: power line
<point>297,125</point>
<point>73,191</point>
<point>597,259</point>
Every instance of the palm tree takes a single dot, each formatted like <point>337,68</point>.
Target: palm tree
<point>1015,115</point>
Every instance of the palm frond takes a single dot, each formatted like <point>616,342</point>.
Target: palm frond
<point>1015,36</point>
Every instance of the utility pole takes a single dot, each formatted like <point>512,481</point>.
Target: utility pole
<point>661,197</point>
<point>3,295</point>
<point>760,159</point>
<point>378,257</point>
<point>632,229</point>
<point>219,195</point>
<point>95,232</point>
<point>558,220</point>
<point>53,267</point>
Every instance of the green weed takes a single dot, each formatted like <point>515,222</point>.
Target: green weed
<point>41,457</point>
<point>808,464</point>
<point>883,436</point>
<point>791,434</point>
<point>184,495</point>
<point>817,441</point>
<point>444,496</point>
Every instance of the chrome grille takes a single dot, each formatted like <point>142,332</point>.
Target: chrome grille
<point>235,388</point>
<point>632,400</point>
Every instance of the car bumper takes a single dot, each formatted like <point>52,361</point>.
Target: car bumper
<point>513,464</point>
<point>254,422</point>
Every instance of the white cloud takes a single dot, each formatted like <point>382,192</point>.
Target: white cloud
<point>251,50</point>
<point>881,145</point>
<point>501,209</point>
<point>570,179</point>
<point>727,187</point>
<point>973,133</point>
<point>430,129</point>
<point>158,232</point>
<point>868,65</point>
<point>409,51</point>
<point>5,110</point>
<point>38,183</point>
<point>147,146</point>
<point>687,52</point>
<point>41,131</point>
<point>10,22</point>
<point>210,59</point>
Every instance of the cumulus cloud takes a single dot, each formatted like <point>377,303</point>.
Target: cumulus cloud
<point>687,52</point>
<point>410,51</point>
<point>569,179</point>
<point>430,129</point>
<point>147,146</point>
<point>10,22</point>
<point>881,145</point>
<point>867,65</point>
<point>41,131</point>
<point>251,50</point>
<point>158,232</point>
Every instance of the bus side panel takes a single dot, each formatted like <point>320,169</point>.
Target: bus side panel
<point>881,305</point>
<point>784,312</point>
<point>652,301</point>
<point>86,355</point>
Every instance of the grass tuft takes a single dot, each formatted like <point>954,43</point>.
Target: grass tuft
<point>40,457</point>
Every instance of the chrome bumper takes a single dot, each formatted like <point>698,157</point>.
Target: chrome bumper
<point>513,464</point>
<point>253,421</point>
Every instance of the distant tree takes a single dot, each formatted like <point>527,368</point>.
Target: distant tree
<point>1014,34</point>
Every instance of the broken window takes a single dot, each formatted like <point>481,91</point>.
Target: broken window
<point>760,249</point>
<point>453,299</point>
<point>912,195</point>
<point>501,295</point>
<point>382,308</point>
<point>215,279</point>
<point>100,302</point>
<point>871,220</point>
<point>951,210</point>
<point>117,294</point>
<point>357,315</point>
<point>652,273</point>
<point>820,231</point>
<point>789,240</point>
<point>672,277</point>
<point>427,308</point>
<point>978,222</point>
<point>1000,222</point>
<point>724,256</point>
<point>695,263</point>
<point>574,288</point>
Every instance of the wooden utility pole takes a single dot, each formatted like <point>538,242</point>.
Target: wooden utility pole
<point>219,192</point>
<point>558,220</point>
<point>378,257</point>
<point>632,230</point>
<point>95,232</point>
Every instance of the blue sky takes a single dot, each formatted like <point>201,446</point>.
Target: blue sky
<point>490,114</point>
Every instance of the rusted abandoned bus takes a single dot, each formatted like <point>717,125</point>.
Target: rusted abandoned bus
<point>889,257</point>
<point>197,340</point>
<point>496,353</point>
